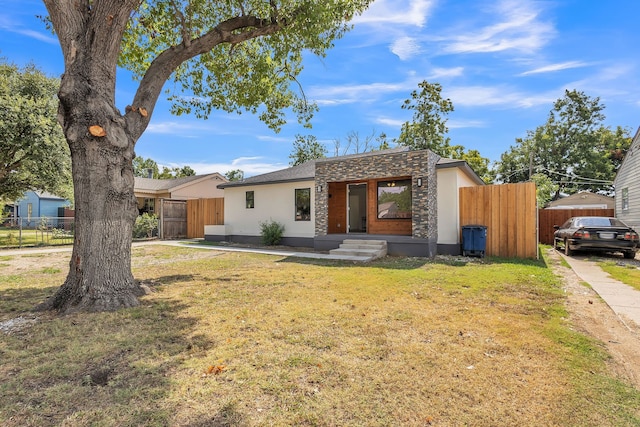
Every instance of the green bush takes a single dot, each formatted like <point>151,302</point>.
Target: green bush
<point>145,226</point>
<point>271,232</point>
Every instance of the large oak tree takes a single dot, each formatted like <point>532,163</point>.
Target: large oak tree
<point>223,55</point>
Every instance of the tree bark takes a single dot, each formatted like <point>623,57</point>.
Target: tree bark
<point>102,152</point>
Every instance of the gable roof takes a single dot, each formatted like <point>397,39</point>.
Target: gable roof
<point>158,185</point>
<point>303,172</point>
<point>582,198</point>
<point>46,195</point>
<point>307,170</point>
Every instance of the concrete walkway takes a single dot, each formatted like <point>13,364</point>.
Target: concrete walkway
<point>194,245</point>
<point>623,299</point>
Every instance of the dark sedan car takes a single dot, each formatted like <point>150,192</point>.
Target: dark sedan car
<point>596,233</point>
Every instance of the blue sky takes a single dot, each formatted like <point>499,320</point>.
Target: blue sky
<point>502,64</point>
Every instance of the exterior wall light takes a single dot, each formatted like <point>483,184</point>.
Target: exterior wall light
<point>419,181</point>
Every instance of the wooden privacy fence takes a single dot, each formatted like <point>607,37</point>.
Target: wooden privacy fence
<point>173,219</point>
<point>201,212</point>
<point>510,214</point>
<point>547,218</point>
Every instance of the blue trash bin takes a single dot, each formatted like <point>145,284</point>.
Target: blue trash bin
<point>474,240</point>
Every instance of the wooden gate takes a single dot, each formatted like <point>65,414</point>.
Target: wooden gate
<point>547,218</point>
<point>173,219</point>
<point>201,212</point>
<point>510,215</point>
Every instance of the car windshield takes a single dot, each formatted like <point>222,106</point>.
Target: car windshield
<point>599,222</point>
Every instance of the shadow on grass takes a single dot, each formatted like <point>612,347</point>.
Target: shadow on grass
<point>20,300</point>
<point>411,263</point>
<point>127,376</point>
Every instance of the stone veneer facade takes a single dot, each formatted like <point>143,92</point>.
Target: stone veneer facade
<point>417,164</point>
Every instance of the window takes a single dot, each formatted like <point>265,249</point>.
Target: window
<point>394,199</point>
<point>149,206</point>
<point>249,198</point>
<point>625,199</point>
<point>303,204</point>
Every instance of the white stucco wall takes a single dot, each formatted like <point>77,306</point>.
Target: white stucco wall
<point>272,202</point>
<point>206,189</point>
<point>449,181</point>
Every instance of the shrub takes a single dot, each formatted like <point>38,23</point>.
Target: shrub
<point>271,232</point>
<point>145,226</point>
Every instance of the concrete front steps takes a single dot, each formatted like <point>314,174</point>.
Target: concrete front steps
<point>366,250</point>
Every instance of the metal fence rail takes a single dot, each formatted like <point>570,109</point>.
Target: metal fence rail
<point>36,231</point>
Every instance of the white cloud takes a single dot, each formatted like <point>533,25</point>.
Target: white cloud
<point>519,28</point>
<point>185,129</point>
<point>405,47</point>
<point>387,121</point>
<point>346,94</point>
<point>10,26</point>
<point>461,124</point>
<point>249,165</point>
<point>556,67</point>
<point>478,96</point>
<point>396,12</point>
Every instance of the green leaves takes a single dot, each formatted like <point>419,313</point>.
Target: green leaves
<point>237,55</point>
<point>33,152</point>
<point>573,148</point>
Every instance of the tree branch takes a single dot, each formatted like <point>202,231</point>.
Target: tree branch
<point>233,31</point>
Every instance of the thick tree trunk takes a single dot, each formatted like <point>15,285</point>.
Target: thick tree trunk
<point>100,275</point>
<point>101,145</point>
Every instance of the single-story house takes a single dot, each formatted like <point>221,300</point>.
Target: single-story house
<point>627,185</point>
<point>149,191</point>
<point>408,198</point>
<point>582,200</point>
<point>39,204</point>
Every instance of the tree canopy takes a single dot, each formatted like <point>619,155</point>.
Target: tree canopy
<point>33,152</point>
<point>573,148</point>
<point>235,175</point>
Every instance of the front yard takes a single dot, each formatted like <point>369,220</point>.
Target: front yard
<point>236,339</point>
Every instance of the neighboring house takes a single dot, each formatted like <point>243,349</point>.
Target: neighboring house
<point>38,204</point>
<point>627,185</point>
<point>583,200</point>
<point>149,191</point>
<point>408,198</point>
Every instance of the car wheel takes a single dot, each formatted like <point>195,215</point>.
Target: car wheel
<point>629,255</point>
<point>567,249</point>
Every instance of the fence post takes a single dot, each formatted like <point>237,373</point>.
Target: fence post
<point>20,233</point>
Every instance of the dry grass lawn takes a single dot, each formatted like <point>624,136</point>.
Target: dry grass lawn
<point>231,339</point>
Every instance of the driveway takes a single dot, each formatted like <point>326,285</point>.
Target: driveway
<point>623,299</point>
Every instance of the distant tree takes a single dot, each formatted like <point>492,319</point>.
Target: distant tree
<point>545,189</point>
<point>383,143</point>
<point>176,172</point>
<point>429,125</point>
<point>573,148</point>
<point>145,168</point>
<point>33,152</point>
<point>429,128</point>
<point>306,148</point>
<point>235,175</point>
<point>356,144</point>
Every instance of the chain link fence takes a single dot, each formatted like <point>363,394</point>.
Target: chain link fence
<point>36,231</point>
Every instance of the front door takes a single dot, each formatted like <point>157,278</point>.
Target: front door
<point>357,208</point>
